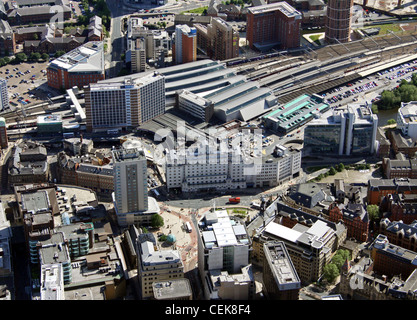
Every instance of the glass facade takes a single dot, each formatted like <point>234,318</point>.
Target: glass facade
<point>322,139</point>
<point>362,139</point>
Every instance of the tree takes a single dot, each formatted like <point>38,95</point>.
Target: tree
<point>2,62</point>
<point>330,272</point>
<point>20,57</point>
<point>157,221</point>
<point>373,212</point>
<point>45,56</point>
<point>59,53</point>
<point>34,56</point>
<point>332,171</point>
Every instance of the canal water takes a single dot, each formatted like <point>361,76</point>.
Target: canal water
<point>385,115</point>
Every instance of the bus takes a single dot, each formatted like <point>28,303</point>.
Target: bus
<point>188,227</point>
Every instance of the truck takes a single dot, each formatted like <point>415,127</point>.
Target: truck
<point>234,200</point>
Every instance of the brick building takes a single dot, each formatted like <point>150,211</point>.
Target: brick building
<point>354,216</point>
<point>218,39</point>
<point>392,260</point>
<point>7,39</point>
<point>379,188</point>
<point>400,233</point>
<point>402,144</point>
<point>400,207</point>
<point>338,21</point>
<point>184,47</point>
<point>79,67</point>
<point>273,25</point>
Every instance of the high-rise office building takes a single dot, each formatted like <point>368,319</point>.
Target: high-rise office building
<point>273,25</point>
<point>338,21</point>
<point>185,44</point>
<point>3,133</point>
<point>342,131</point>
<point>130,197</point>
<point>130,180</point>
<point>4,95</point>
<point>218,39</point>
<point>124,104</point>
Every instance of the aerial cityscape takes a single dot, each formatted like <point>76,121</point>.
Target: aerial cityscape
<point>208,150</point>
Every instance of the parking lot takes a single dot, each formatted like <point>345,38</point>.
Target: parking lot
<point>384,80</point>
<point>27,83</point>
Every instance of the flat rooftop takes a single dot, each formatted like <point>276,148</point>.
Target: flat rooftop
<point>282,6</point>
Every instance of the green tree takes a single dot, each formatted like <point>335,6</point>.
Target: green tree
<point>373,212</point>
<point>6,59</point>
<point>341,167</point>
<point>391,121</point>
<point>338,261</point>
<point>2,62</point>
<point>45,56</point>
<point>332,171</point>
<point>157,221</point>
<point>330,272</point>
<point>59,53</point>
<point>34,56</point>
<point>20,57</point>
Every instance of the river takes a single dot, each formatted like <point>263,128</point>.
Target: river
<point>385,115</point>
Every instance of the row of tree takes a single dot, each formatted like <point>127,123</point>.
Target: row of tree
<point>332,270</point>
<point>404,92</point>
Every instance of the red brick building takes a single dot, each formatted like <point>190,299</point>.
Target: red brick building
<point>184,48</point>
<point>379,188</point>
<point>338,21</point>
<point>79,67</point>
<point>391,260</point>
<point>273,25</point>
<point>400,207</point>
<point>400,233</point>
<point>355,218</point>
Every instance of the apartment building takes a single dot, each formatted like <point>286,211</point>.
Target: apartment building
<point>124,104</point>
<point>280,279</point>
<point>79,67</point>
<point>230,168</point>
<point>138,55</point>
<point>4,95</point>
<point>145,45</point>
<point>273,25</point>
<point>185,44</point>
<point>155,266</point>
<point>338,21</point>
<point>218,39</point>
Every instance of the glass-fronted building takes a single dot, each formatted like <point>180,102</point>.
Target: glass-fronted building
<point>347,130</point>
